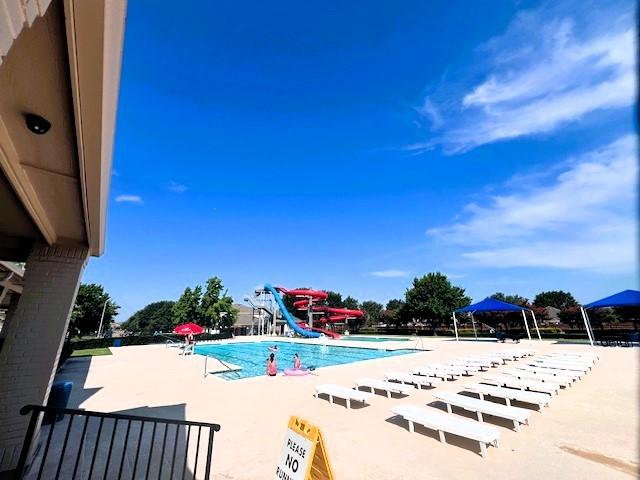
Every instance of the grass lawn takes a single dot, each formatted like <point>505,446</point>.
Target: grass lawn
<point>91,352</point>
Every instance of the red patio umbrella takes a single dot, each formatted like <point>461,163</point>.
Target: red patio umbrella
<point>187,328</point>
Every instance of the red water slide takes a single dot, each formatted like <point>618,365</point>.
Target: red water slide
<point>331,314</point>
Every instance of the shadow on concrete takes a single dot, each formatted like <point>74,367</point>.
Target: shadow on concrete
<point>76,370</point>
<point>489,419</point>
<point>355,405</point>
<point>114,448</point>
<point>451,439</point>
<point>514,403</point>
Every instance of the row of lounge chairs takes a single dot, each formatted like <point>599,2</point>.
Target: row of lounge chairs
<point>530,380</point>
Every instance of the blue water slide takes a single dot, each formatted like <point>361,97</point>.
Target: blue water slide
<point>288,317</point>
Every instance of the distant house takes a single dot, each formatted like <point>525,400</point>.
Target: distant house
<point>552,315</point>
<point>247,322</point>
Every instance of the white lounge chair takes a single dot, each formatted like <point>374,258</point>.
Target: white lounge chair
<point>346,393</point>
<point>570,361</point>
<point>539,377</point>
<point>417,380</point>
<point>579,363</point>
<point>523,384</point>
<point>485,362</point>
<point>584,355</point>
<point>561,358</point>
<point>559,366</point>
<point>454,369</point>
<point>430,371</point>
<point>502,357</point>
<point>466,367</point>
<point>547,372</point>
<point>540,399</point>
<point>495,360</point>
<point>522,353</point>
<point>516,414</point>
<point>445,423</point>
<point>389,387</point>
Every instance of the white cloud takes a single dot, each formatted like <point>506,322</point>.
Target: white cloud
<point>581,218</point>
<point>549,69</point>
<point>391,273</point>
<point>176,187</point>
<point>128,199</point>
<point>429,110</point>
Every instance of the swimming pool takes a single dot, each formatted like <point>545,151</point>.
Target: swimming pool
<point>252,356</point>
<point>357,338</point>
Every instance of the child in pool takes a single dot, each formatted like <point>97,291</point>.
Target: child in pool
<point>272,366</point>
<point>297,363</point>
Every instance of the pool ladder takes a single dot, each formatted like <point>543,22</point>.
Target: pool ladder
<point>228,367</point>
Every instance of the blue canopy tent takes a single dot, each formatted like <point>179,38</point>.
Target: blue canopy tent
<point>493,305</point>
<point>626,298</point>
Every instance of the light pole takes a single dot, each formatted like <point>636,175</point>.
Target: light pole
<point>104,308</point>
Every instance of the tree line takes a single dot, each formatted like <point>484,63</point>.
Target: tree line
<point>431,299</point>
<point>210,307</point>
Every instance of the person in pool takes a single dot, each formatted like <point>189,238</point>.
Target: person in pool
<point>297,363</point>
<point>272,366</point>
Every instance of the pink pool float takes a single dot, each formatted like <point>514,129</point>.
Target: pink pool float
<point>296,372</point>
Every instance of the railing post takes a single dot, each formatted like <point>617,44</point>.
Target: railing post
<point>28,439</point>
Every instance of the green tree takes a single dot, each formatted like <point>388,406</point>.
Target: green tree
<point>555,298</point>
<point>87,311</point>
<point>334,299</point>
<point>392,312</point>
<point>350,303</point>
<point>372,311</point>
<point>187,308</point>
<point>211,296</point>
<point>432,297</point>
<point>222,313</point>
<point>512,299</point>
<point>394,305</point>
<point>571,316</point>
<point>506,320</point>
<point>157,316</point>
<point>217,307</point>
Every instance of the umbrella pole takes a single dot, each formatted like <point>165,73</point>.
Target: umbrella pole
<point>587,325</point>
<point>535,323</point>
<point>473,323</point>
<point>526,325</point>
<point>524,317</point>
<point>455,326</point>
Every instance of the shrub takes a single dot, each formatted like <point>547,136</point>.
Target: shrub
<point>141,340</point>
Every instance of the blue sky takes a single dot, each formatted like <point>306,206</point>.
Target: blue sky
<point>354,145</point>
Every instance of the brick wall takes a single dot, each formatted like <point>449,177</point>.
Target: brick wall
<point>34,339</point>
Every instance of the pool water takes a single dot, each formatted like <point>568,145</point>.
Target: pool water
<point>356,338</point>
<point>252,356</point>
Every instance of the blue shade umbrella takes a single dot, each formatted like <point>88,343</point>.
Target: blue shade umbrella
<point>493,305</point>
<point>626,298</point>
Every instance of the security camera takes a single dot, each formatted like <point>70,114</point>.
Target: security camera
<point>37,124</point>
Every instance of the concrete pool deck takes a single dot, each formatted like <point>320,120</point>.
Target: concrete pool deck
<point>589,431</point>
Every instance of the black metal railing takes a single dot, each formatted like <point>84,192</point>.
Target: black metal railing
<point>81,444</point>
